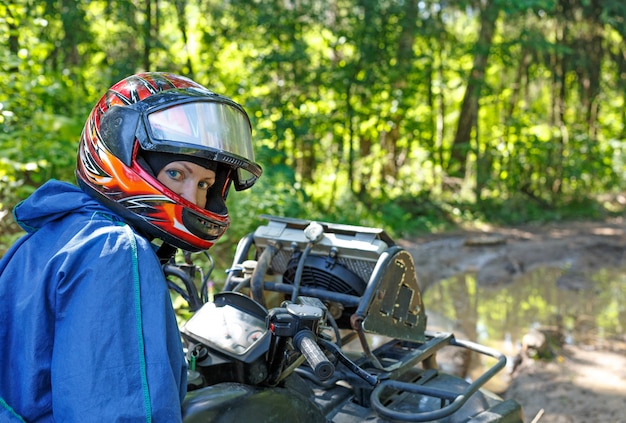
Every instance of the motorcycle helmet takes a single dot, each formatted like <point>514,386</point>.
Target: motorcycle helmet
<point>158,115</point>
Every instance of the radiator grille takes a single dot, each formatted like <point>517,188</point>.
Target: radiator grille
<point>362,268</point>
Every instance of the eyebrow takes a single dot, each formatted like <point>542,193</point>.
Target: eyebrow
<point>186,166</point>
<point>190,170</point>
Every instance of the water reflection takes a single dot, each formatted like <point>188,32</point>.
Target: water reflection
<point>499,316</point>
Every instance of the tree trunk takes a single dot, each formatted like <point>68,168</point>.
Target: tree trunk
<point>594,53</point>
<point>13,41</point>
<point>553,177</point>
<point>182,26</point>
<point>469,107</point>
<point>147,34</point>
<point>404,60</point>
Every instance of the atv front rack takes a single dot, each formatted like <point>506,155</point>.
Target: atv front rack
<point>369,286</point>
<point>451,399</point>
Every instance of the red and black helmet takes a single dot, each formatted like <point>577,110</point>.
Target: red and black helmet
<point>165,113</point>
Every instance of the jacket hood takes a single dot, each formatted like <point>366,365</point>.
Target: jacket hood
<point>52,201</point>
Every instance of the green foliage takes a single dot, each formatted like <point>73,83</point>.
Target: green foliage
<point>12,189</point>
<point>520,209</point>
<point>355,105</point>
<point>41,115</point>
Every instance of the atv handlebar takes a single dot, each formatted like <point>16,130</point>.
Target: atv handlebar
<point>304,341</point>
<point>300,322</point>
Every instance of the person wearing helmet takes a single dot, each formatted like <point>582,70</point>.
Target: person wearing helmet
<point>88,331</point>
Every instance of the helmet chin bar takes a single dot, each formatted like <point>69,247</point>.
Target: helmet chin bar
<point>203,227</point>
<point>205,224</point>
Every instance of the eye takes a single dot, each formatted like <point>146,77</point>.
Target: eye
<point>204,185</point>
<point>174,174</point>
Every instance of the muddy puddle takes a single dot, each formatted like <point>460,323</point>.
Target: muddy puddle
<point>583,308</point>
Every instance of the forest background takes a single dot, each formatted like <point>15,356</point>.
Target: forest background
<point>410,115</point>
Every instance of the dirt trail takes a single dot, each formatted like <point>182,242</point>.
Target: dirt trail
<point>583,383</point>
<point>580,385</point>
<point>500,254</point>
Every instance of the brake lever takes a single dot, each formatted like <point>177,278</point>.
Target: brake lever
<point>352,366</point>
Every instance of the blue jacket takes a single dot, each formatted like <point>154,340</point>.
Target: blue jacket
<point>87,328</point>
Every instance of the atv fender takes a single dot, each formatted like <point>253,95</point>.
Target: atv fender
<point>235,402</point>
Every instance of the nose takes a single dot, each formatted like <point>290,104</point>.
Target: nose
<point>189,193</point>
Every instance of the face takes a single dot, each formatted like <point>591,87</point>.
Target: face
<point>189,180</point>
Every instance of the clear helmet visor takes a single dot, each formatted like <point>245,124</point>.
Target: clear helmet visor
<point>218,128</point>
<point>205,124</point>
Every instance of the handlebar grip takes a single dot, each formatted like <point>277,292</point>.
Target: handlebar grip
<point>304,341</point>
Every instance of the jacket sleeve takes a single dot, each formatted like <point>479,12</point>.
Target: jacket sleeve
<point>117,353</point>
<point>8,415</point>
